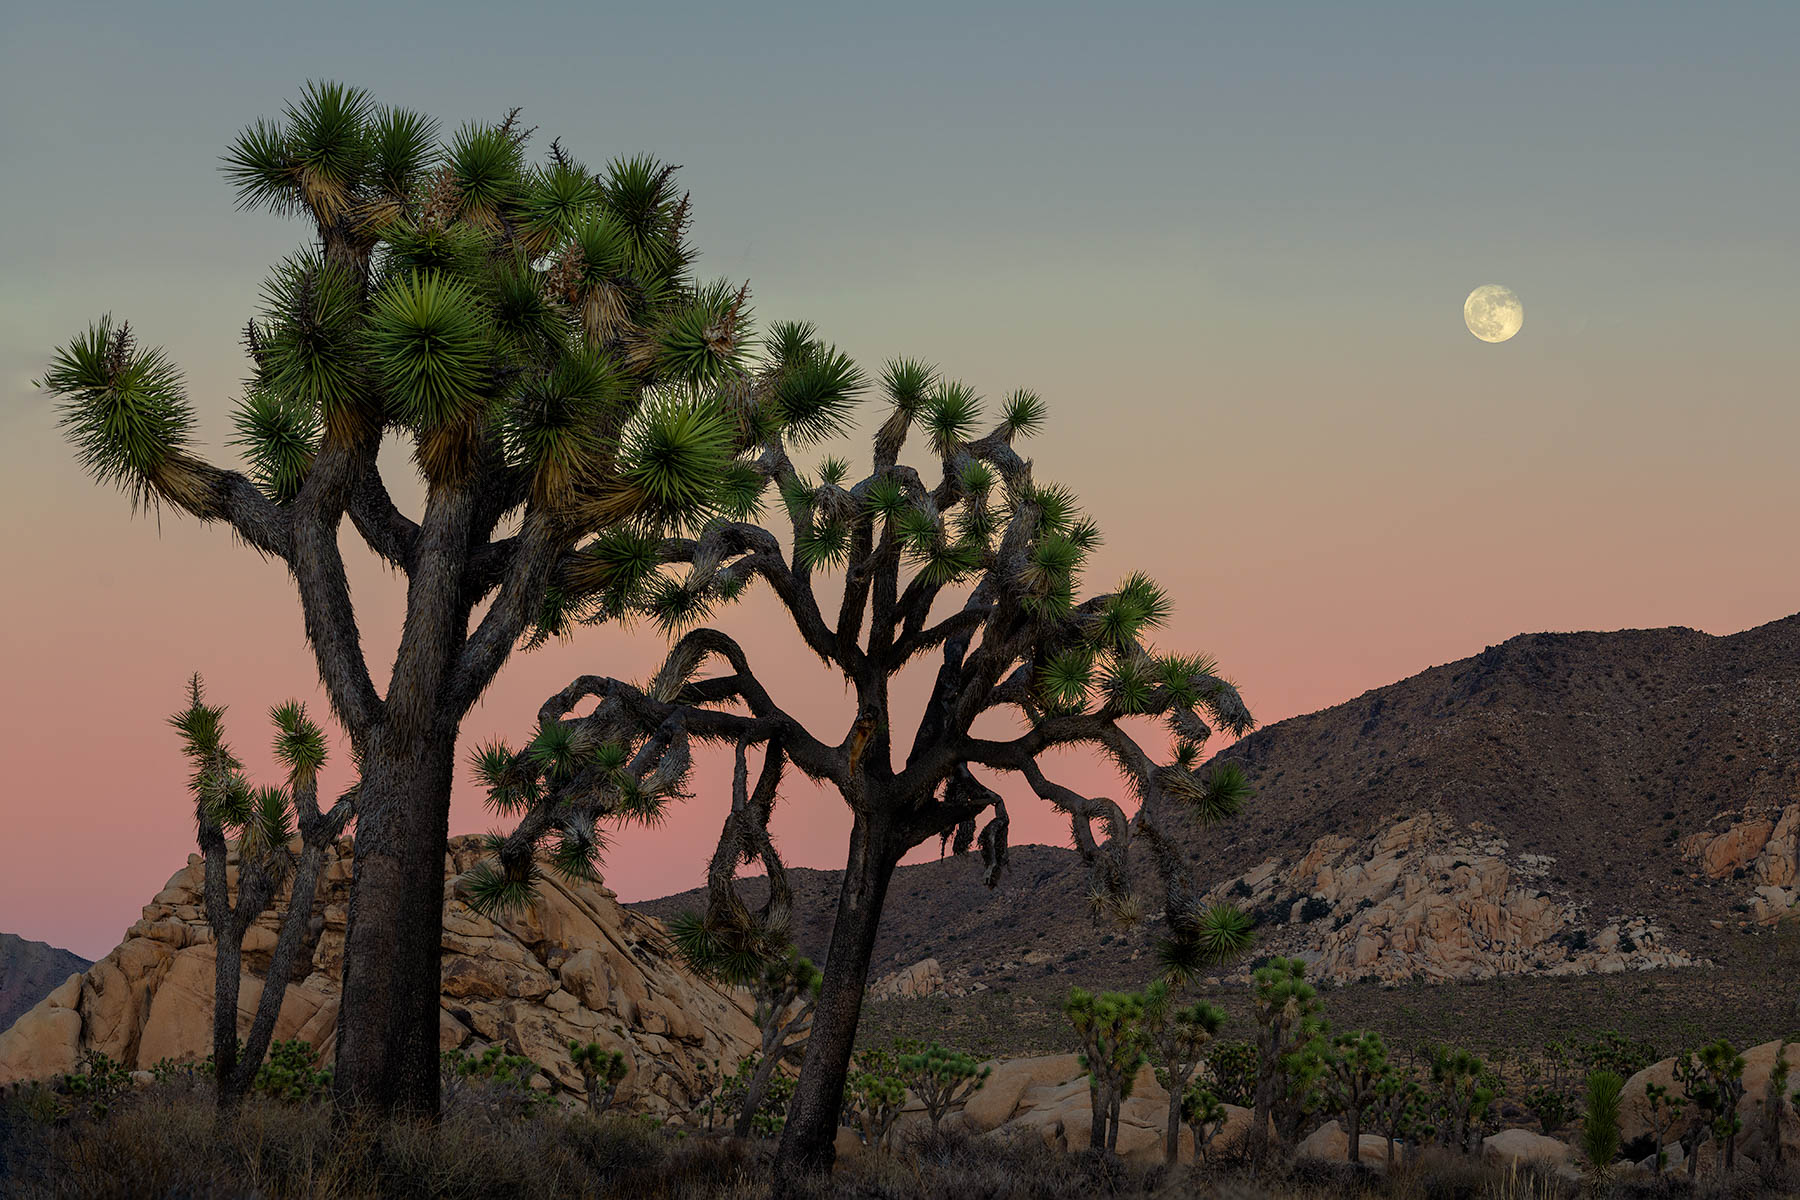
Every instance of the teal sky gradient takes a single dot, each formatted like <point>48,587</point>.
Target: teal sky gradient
<point>1229,244</point>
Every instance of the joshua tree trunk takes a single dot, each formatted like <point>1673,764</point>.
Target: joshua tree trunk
<point>1099,1104</point>
<point>1112,1124</point>
<point>1354,1151</point>
<point>387,1056</point>
<point>754,1092</point>
<point>1172,1143</point>
<point>811,1129</point>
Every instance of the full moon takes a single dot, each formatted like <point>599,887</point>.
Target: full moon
<point>1493,313</point>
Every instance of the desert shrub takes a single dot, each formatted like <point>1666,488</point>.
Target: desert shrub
<point>292,1072</point>
<point>493,1082</point>
<point>1315,908</point>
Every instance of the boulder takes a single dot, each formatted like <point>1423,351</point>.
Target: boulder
<point>1516,1147</point>
<point>578,965</point>
<point>1331,1143</point>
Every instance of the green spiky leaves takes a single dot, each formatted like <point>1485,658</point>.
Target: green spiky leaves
<point>429,348</point>
<point>907,382</point>
<point>673,457</point>
<point>494,887</point>
<point>124,408</point>
<point>486,164</point>
<point>1024,414</point>
<point>557,427</point>
<point>700,344</point>
<point>299,742</point>
<point>1063,681</point>
<point>949,416</point>
<point>279,437</point>
<point>817,393</point>
<point>1199,941</point>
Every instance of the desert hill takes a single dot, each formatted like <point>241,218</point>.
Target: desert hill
<point>1557,806</point>
<point>28,970</point>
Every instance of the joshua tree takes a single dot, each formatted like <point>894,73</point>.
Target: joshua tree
<point>1775,1101</point>
<point>263,820</point>
<point>1287,1018</point>
<point>1600,1121</point>
<point>602,1071</point>
<point>1180,1036</point>
<point>1465,1088</point>
<point>1077,672</point>
<point>1110,1026</point>
<point>786,990</point>
<point>874,1095</point>
<point>1724,1067</point>
<point>1205,1115</point>
<point>1355,1066</point>
<point>1665,1110</point>
<point>1400,1109</point>
<point>942,1079</point>
<point>536,333</point>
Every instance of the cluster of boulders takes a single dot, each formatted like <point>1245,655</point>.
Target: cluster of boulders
<point>1760,846</point>
<point>923,978</point>
<point>577,965</point>
<point>1425,898</point>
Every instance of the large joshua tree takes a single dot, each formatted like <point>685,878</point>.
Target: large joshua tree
<point>571,394</point>
<point>1075,672</point>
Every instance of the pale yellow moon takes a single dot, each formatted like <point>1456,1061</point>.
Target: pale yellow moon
<point>1493,313</point>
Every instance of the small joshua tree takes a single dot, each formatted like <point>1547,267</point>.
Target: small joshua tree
<point>602,1071</point>
<point>1400,1108</point>
<point>1465,1088</point>
<point>1021,640</point>
<point>1665,1109</point>
<point>1775,1101</point>
<point>874,1095</point>
<point>1355,1065</point>
<point>786,989</point>
<point>1205,1115</point>
<point>1112,1050</point>
<point>1600,1137</point>
<point>942,1079</point>
<point>1725,1067</point>
<point>263,820</point>
<point>1287,1011</point>
<point>1180,1036</point>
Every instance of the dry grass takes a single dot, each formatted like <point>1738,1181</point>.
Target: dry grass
<point>164,1143</point>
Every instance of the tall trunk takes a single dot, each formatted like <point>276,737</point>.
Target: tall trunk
<point>1354,1151</point>
<point>387,1047</point>
<point>1112,1123</point>
<point>1172,1142</point>
<point>1099,1104</point>
<point>807,1140</point>
<point>227,967</point>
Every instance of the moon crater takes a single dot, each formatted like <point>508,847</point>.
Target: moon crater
<point>1493,313</point>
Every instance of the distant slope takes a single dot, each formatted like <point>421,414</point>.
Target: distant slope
<point>29,971</point>
<point>1565,779</point>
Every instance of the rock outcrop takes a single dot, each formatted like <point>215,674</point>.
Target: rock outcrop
<point>576,965</point>
<point>1759,847</point>
<point>28,972</point>
<point>923,978</point>
<point>1424,898</point>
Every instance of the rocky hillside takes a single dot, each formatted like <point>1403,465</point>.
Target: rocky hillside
<point>1559,804</point>
<point>576,965</point>
<point>28,970</point>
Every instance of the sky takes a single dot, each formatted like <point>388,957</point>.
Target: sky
<point>1229,244</point>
